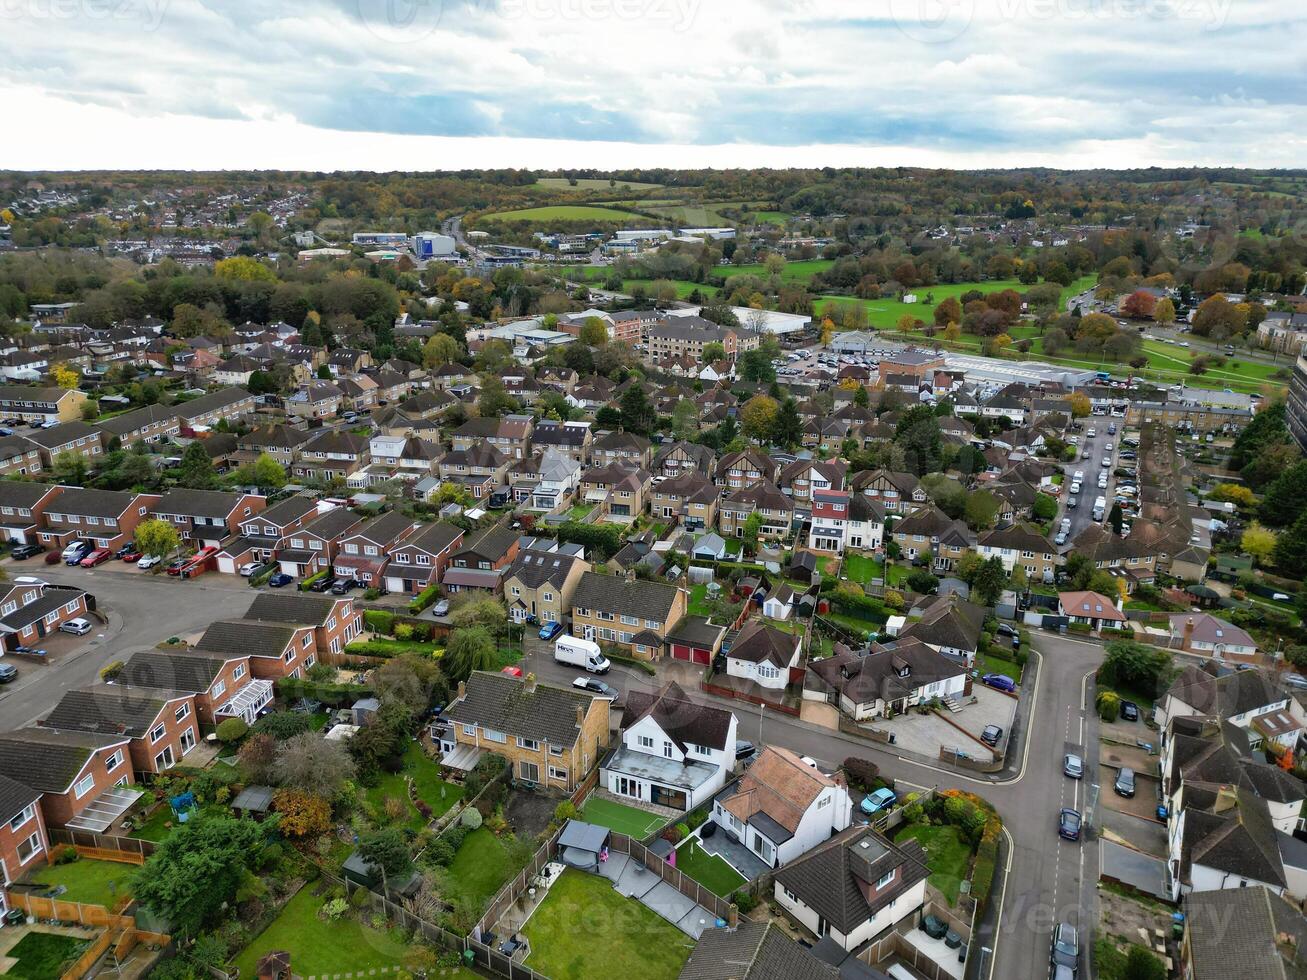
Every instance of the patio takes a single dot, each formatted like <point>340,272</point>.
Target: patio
<point>735,854</point>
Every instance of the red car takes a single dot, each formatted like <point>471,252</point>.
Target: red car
<point>97,557</point>
<point>132,556</point>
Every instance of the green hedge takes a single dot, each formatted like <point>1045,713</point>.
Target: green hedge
<point>632,662</point>
<point>424,598</point>
<point>982,872</point>
<point>258,578</point>
<point>1118,633</point>
<point>859,607</point>
<point>378,621</point>
<point>304,585</point>
<point>291,688</point>
<point>389,648</point>
<point>1079,628</point>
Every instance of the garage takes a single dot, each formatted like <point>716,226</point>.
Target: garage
<point>696,640</point>
<point>691,654</point>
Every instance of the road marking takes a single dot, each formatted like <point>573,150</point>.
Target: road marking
<point>998,919</point>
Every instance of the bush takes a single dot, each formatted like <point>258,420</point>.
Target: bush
<point>564,812</point>
<point>1079,628</point>
<point>335,908</point>
<point>697,818</point>
<point>282,725</point>
<point>65,854</point>
<point>982,872</point>
<point>744,901</point>
<point>111,670</point>
<point>335,695</point>
<point>1108,704</point>
<point>403,631</point>
<point>894,599</point>
<point>231,730</point>
<point>423,599</point>
<point>305,583</point>
<point>378,621</point>
<point>471,818</point>
<point>372,594</point>
<point>618,658</point>
<point>861,772</point>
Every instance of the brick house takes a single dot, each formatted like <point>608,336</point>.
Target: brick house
<point>30,612</point>
<point>626,448</point>
<point>628,612</point>
<point>689,498</point>
<point>552,736</point>
<point>162,725</point>
<point>106,518</point>
<point>473,468</point>
<point>332,456</point>
<point>315,400</point>
<point>766,499</point>
<point>572,439</point>
<point>207,517</point>
<point>336,622</point>
<point>225,404</point>
<point>1021,546</point>
<point>735,471</point>
<point>223,685</point>
<point>480,562</point>
<point>19,457</point>
<point>420,559</point>
<point>275,649</point>
<point>677,458</point>
<point>22,508</point>
<point>281,442</point>
<point>312,548</point>
<point>153,423</point>
<point>82,776</point>
<point>364,552</point>
<point>23,839</point>
<point>76,437</point>
<point>261,534</point>
<point>898,493</point>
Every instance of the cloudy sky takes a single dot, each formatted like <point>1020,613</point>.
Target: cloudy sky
<point>443,84</point>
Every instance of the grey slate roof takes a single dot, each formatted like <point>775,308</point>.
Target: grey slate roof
<point>252,638</point>
<point>289,608</point>
<point>208,402</point>
<point>121,425</point>
<point>49,759</point>
<point>110,709</point>
<point>504,704</point>
<point>611,594</point>
<point>198,503</point>
<point>51,599</point>
<point>682,720</point>
<point>753,951</point>
<point>62,434</point>
<point>15,797</point>
<point>93,503</point>
<point>1236,932</point>
<point>181,670</point>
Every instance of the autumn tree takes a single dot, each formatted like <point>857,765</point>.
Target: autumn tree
<point>594,332</point>
<point>440,350</point>
<point>302,814</point>
<point>64,377</point>
<point>948,311</point>
<point>243,268</point>
<point>1139,305</point>
<point>1164,312</point>
<point>313,764</point>
<point>1259,542</point>
<point>758,416</point>
<point>156,537</point>
<point>1080,405</point>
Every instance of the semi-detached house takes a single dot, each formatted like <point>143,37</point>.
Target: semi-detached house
<point>223,684</point>
<point>364,552</point>
<point>19,457</point>
<point>312,548</point>
<point>420,559</point>
<point>275,649</point>
<point>207,517</point>
<point>30,612</point>
<point>631,613</point>
<point>22,509</point>
<point>261,535</point>
<point>76,438</point>
<point>335,622</point>
<point>162,725</point>
<point>85,778</point>
<point>1021,546</point>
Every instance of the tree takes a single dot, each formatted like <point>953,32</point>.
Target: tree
<point>989,582</point>
<point>1219,319</point>
<point>156,537</point>
<point>494,399</point>
<point>638,412</point>
<point>1045,507</point>
<point>948,311</point>
<point>1137,666</point>
<point>1286,497</point>
<point>265,473</point>
<point>469,650</point>
<point>196,471</point>
<point>302,814</point>
<point>980,510</point>
<point>70,467</point>
<point>472,609</point>
<point>243,268</point>
<point>1116,518</point>
<point>255,756</point>
<point>310,763</point>
<point>918,434</point>
<point>1140,964</point>
<point>787,428</point>
<point>196,870</point>
<point>756,366</point>
<point>1258,542</point>
<point>440,350</point>
<point>1234,493</point>
<point>1139,305</point>
<point>758,417</point>
<point>752,530</point>
<point>1291,549</point>
<point>1080,405</point>
<point>594,332</point>
<point>387,851</point>
<point>64,377</point>
<point>713,351</point>
<point>685,419</point>
<point>1164,312</point>
<point>495,356</point>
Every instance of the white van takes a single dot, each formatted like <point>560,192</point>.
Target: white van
<point>581,653</point>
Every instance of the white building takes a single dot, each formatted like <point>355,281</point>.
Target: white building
<point>764,655</point>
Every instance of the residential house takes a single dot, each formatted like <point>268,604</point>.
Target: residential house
<point>898,493</point>
<point>1205,633</point>
<point>480,561</point>
<point>281,442</point>
<point>764,499</point>
<point>674,752</point>
<point>162,725</point>
<point>625,500</point>
<point>765,656</point>
<point>312,547</point>
<point>804,477</point>
<point>689,498</point>
<point>479,470</point>
<point>207,517</point>
<point>1021,546</point>
<point>625,611</point>
<point>624,448</point>
<point>1237,696</point>
<point>84,778</point>
<point>22,508</point>
<point>419,560</point>
<point>335,621</point>
<point>1223,837</point>
<point>106,518</point>
<point>402,457</point>
<point>947,624</point>
<point>1091,609</point>
<point>886,681</point>
<point>275,649</point>
<point>33,404</point>
<point>315,400</point>
<point>686,336</point>
<point>153,423</point>
<point>782,807</point>
<point>674,459</point>
<point>552,736</point>
<point>29,612</point>
<point>555,480</point>
<point>854,887</point>
<point>510,435</point>
<point>19,457</point>
<point>929,531</point>
<point>331,456</point>
<point>223,405</point>
<point>540,583</point>
<point>1132,558</point>
<point>735,471</point>
<point>261,534</point>
<point>572,439</point>
<point>76,438</point>
<point>1242,932</point>
<point>23,838</point>
<point>365,551</point>
<point>223,685</point>
<point>830,517</point>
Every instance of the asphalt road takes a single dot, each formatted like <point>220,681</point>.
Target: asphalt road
<point>1048,879</point>
<point>1082,515</point>
<point>142,610</point>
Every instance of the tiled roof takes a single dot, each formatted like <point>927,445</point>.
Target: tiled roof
<point>49,759</point>
<point>110,709</point>
<point>753,951</point>
<point>1242,932</point>
<point>198,503</point>
<point>252,638</point>
<point>507,704</point>
<point>682,720</point>
<point>291,609</point>
<point>613,594</point>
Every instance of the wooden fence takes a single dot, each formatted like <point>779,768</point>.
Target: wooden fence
<point>587,785</point>
<point>88,959</point>
<point>105,854</point>
<point>83,913</point>
<point>103,842</point>
<point>730,692</point>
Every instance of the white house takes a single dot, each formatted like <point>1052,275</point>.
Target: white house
<point>559,476</point>
<point>783,807</point>
<point>1204,633</point>
<point>764,655</point>
<point>1223,838</point>
<point>1237,697</point>
<point>674,752</point>
<point>780,603</point>
<point>889,679</point>
<point>853,887</point>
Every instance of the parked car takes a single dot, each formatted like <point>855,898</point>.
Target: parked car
<point>281,579</point>
<point>322,584</point>
<point>1006,629</point>
<point>1125,783</point>
<point>442,608</point>
<point>512,670</point>
<point>1000,682</point>
<point>343,585</point>
<point>249,568</point>
<point>1073,766</point>
<point>744,749</point>
<point>25,551</point>
<point>8,673</point>
<point>78,626</point>
<point>1065,947</point>
<point>550,630</point>
<point>75,552</point>
<point>594,686</point>
<point>176,565</point>
<point>1129,711</point>
<point>148,562</point>
<point>1068,823</point>
<point>991,734</point>
<point>97,557</point>
<point>882,799</point>
<point>132,556</point>
<point>126,549</point>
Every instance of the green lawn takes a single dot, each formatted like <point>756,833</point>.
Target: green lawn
<point>987,663</point>
<point>44,955</point>
<point>861,568</point>
<point>579,511</point>
<point>154,829</point>
<point>481,866</point>
<point>595,184</point>
<point>885,313</point>
<point>708,869</point>
<point>319,947</point>
<point>623,819</point>
<point>947,855</point>
<point>797,271</point>
<point>566,212</point>
<point>434,791</point>
<point>585,929</point>
<point>394,647</point>
<point>93,882</point>
<point>699,600</point>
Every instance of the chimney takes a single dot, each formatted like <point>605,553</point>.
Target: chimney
<point>1226,799</point>
<point>462,690</point>
<point>1187,644</point>
<point>580,716</point>
<point>530,683</point>
<point>733,917</point>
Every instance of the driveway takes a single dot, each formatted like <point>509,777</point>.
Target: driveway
<point>1146,836</point>
<point>925,734</point>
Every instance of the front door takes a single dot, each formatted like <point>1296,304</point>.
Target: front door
<point>588,631</point>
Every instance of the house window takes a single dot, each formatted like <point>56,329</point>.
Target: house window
<point>83,785</point>
<point>493,736</point>
<point>555,750</point>
<point>424,559</point>
<point>114,761</point>
<point>630,621</point>
<point>469,729</point>
<point>528,743</point>
<point>667,750</point>
<point>184,712</point>
<point>28,813</point>
<point>218,688</point>
<point>652,624</point>
<point>529,771</point>
<point>556,773</point>
<point>645,742</point>
<point>308,638</point>
<point>886,879</point>
<point>238,673</point>
<point>789,894</point>
<point>546,597</point>
<point>157,732</point>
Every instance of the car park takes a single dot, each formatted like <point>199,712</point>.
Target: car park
<point>1068,824</point>
<point>1073,766</point>
<point>148,562</point>
<point>550,630</point>
<point>991,735</point>
<point>1000,682</point>
<point>881,799</point>
<point>281,579</point>
<point>1125,783</point>
<point>97,557</point>
<point>78,626</point>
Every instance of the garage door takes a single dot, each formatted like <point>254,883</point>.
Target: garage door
<point>227,564</point>
<point>702,656</point>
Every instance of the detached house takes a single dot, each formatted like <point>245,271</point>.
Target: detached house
<point>540,584</point>
<point>552,736</point>
<point>634,614</point>
<point>853,887</point>
<point>887,681</point>
<point>1091,609</point>
<point>765,656</point>
<point>674,752</point>
<point>84,777</point>
<point>419,560</point>
<point>161,725</point>
<point>782,807</point>
<point>948,625</point>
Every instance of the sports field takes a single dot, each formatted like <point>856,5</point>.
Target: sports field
<point>565,212</point>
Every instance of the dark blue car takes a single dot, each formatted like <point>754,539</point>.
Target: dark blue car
<point>280,579</point>
<point>1000,682</point>
<point>550,630</point>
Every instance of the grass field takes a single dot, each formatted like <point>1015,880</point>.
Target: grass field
<point>92,882</point>
<point>690,215</point>
<point>481,866</point>
<point>431,789</point>
<point>885,313</point>
<point>319,947</point>
<point>585,929</point>
<point>595,184</point>
<point>565,212</point>
<point>947,855</point>
<point>699,600</point>
<point>623,819</point>
<point>798,271</point>
<point>708,869</point>
<point>861,569</point>
<point>44,955</point>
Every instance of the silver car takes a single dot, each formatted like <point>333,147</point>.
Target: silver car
<point>1073,765</point>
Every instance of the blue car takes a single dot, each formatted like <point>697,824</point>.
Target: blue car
<point>882,799</point>
<point>550,630</point>
<point>280,579</point>
<point>1000,682</point>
